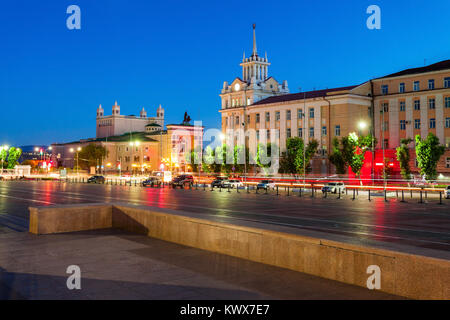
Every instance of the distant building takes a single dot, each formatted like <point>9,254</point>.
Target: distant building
<point>117,124</point>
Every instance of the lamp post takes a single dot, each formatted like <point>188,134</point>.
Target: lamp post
<point>77,151</point>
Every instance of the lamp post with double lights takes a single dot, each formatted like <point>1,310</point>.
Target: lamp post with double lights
<point>72,150</point>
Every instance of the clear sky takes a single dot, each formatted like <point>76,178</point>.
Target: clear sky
<point>178,53</point>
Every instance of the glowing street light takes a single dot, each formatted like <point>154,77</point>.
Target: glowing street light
<point>362,125</point>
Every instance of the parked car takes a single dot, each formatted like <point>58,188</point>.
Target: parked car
<point>447,192</point>
<point>96,179</point>
<point>182,180</point>
<point>219,182</point>
<point>152,182</point>
<point>233,183</point>
<point>334,187</point>
<point>266,184</point>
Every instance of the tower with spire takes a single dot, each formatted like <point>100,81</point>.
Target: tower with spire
<point>255,83</point>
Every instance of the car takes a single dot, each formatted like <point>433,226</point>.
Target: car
<point>232,183</point>
<point>334,187</point>
<point>219,182</point>
<point>96,179</point>
<point>152,182</point>
<point>447,192</point>
<point>266,184</point>
<point>182,180</point>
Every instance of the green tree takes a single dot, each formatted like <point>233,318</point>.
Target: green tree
<point>240,160</point>
<point>263,156</point>
<point>337,156</point>
<point>387,170</point>
<point>354,151</point>
<point>3,156</point>
<point>91,155</point>
<point>292,160</point>
<point>208,160</point>
<point>428,152</point>
<point>13,155</point>
<point>403,158</point>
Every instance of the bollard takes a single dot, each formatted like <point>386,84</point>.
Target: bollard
<point>385,196</point>
<point>325,194</point>
<point>339,195</point>
<point>248,188</point>
<point>266,189</point>
<point>237,189</point>
<point>277,190</point>
<point>288,191</point>
<point>426,194</point>
<point>440,197</point>
<point>312,191</point>
<point>396,193</point>
<point>346,191</point>
<point>354,194</point>
<point>229,188</point>
<point>411,193</point>
<point>420,201</point>
<point>256,189</point>
<point>220,188</point>
<point>369,194</point>
<point>196,186</point>
<point>204,186</point>
<point>300,192</point>
<point>403,197</point>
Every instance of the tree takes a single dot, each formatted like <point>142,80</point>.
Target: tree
<point>387,171</point>
<point>208,160</point>
<point>337,157</point>
<point>263,156</point>
<point>91,155</point>
<point>13,155</point>
<point>3,155</point>
<point>403,158</point>
<point>355,149</point>
<point>428,152</point>
<point>240,160</point>
<point>292,160</point>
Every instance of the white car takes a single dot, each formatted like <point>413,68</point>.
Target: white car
<point>334,187</point>
<point>447,192</point>
<point>266,184</point>
<point>233,183</point>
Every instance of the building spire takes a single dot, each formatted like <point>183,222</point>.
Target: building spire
<point>254,40</point>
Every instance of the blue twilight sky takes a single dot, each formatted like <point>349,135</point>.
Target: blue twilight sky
<point>178,53</point>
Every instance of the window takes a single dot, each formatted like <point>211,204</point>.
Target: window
<point>384,89</point>
<point>288,132</point>
<point>288,114</point>
<point>277,115</point>
<point>416,85</point>
<point>447,122</point>
<point>432,123</point>
<point>300,132</point>
<point>299,113</point>
<point>447,82</point>
<point>311,112</point>
<point>248,119</point>
<point>416,104</point>
<point>431,103</point>
<point>402,125</point>
<point>417,124</point>
<point>337,130</point>
<point>267,116</point>
<point>401,87</point>
<point>402,105</point>
<point>386,143</point>
<point>257,135</point>
<point>311,132</point>
<point>431,84</point>
<point>385,107</point>
<point>447,102</point>
<point>324,130</point>
<point>385,126</point>
<point>237,120</point>
<point>447,162</point>
<point>257,118</point>
<point>226,122</point>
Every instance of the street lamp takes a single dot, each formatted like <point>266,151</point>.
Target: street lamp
<point>78,150</point>
<point>362,125</point>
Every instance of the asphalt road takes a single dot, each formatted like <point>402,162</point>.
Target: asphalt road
<point>426,225</point>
